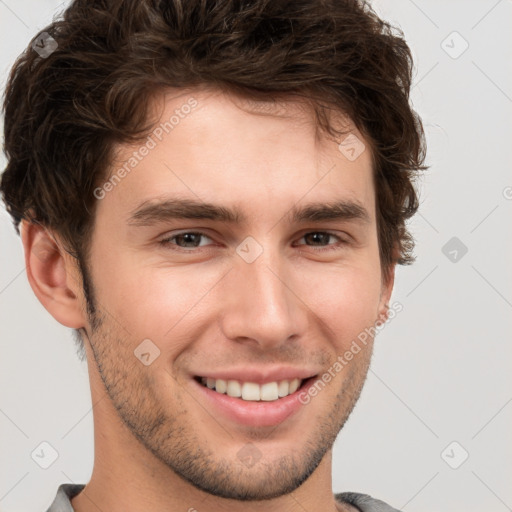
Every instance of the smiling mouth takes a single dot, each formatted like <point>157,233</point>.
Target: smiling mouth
<point>253,392</point>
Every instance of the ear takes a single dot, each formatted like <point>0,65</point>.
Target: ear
<point>388,282</point>
<point>53,275</point>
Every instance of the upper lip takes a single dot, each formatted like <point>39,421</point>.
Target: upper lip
<point>260,375</point>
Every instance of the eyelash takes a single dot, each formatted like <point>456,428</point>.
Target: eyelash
<point>166,242</point>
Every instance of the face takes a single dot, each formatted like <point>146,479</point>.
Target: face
<point>263,286</point>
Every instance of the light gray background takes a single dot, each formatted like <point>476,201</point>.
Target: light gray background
<point>441,369</point>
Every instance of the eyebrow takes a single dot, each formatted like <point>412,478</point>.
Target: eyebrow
<point>151,212</point>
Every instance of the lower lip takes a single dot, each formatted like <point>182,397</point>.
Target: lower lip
<point>255,414</point>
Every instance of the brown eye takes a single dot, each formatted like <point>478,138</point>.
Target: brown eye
<point>321,238</point>
<point>187,239</point>
<point>317,238</point>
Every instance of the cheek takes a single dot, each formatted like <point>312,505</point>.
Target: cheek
<point>346,301</point>
<point>154,302</point>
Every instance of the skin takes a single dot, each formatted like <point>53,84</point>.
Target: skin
<point>157,447</point>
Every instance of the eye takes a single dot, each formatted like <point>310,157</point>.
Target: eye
<point>322,237</point>
<point>187,239</point>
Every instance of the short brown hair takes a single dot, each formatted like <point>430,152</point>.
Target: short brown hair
<point>65,111</point>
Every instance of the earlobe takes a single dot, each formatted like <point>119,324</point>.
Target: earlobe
<point>51,275</point>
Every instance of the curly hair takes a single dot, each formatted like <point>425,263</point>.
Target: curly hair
<point>65,111</point>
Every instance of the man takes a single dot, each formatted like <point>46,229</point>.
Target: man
<point>213,195</point>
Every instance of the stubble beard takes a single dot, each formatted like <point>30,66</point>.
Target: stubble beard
<point>165,429</point>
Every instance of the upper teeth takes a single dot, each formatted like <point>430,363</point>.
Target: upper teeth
<point>251,391</point>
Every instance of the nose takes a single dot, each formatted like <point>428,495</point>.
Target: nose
<point>263,305</point>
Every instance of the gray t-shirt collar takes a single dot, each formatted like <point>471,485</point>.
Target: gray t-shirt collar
<point>363,502</point>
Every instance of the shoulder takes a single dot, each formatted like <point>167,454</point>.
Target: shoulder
<point>62,500</point>
<point>364,502</point>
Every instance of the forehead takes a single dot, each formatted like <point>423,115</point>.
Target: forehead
<point>222,148</point>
